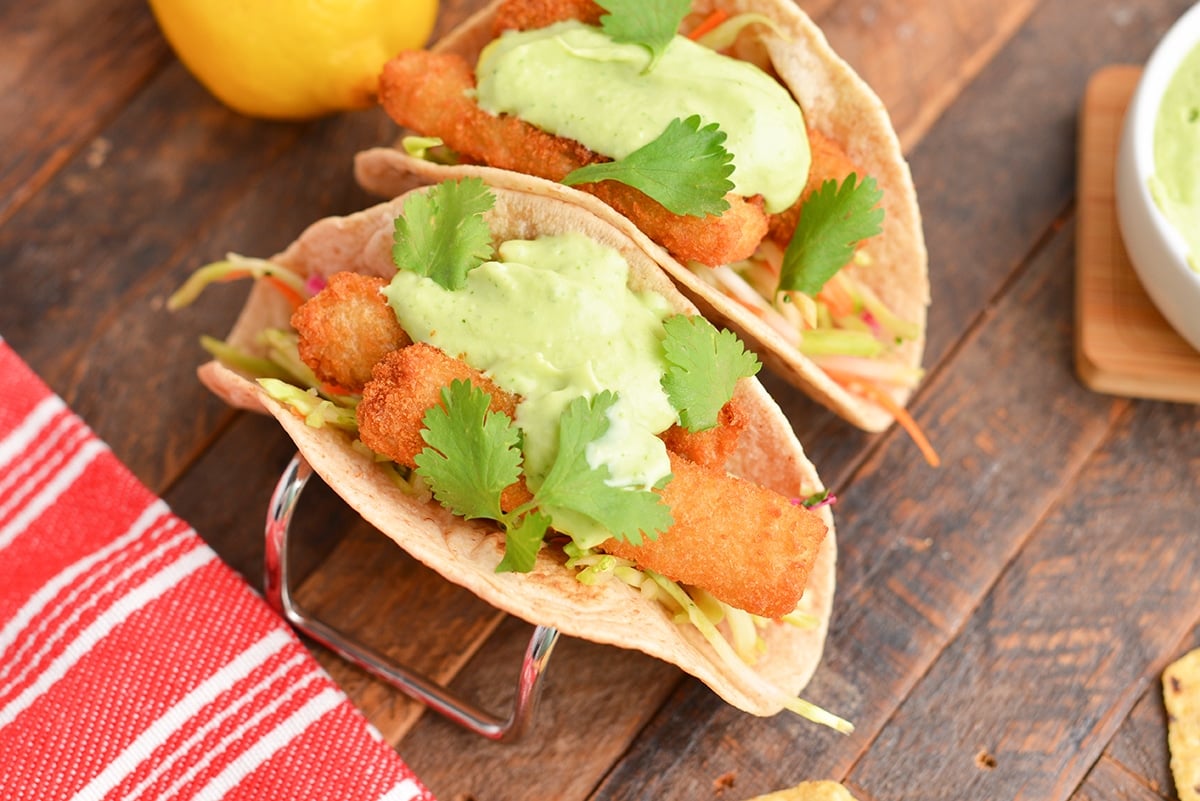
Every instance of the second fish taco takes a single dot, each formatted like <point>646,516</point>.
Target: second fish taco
<point>510,388</point>
<point>730,134</point>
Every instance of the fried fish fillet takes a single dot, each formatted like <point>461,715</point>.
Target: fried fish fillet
<point>430,93</point>
<point>830,162</point>
<point>746,545</point>
<point>346,328</point>
<point>524,15</point>
<point>711,447</point>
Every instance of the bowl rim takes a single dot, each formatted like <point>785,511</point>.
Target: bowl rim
<point>1142,116</point>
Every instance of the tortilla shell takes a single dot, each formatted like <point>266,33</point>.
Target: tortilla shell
<point>835,101</point>
<point>468,552</point>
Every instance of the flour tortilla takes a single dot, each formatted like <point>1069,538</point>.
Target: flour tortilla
<point>468,552</point>
<point>835,101</point>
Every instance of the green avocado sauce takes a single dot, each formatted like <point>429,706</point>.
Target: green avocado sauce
<point>551,320</point>
<point>1175,184</point>
<point>572,80</point>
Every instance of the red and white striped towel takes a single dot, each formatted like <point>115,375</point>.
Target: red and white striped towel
<point>133,663</point>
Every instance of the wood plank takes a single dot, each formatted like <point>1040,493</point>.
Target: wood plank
<point>66,68</point>
<point>919,56</point>
<point>1043,675</point>
<point>1140,745</point>
<point>1109,781</point>
<point>80,297</point>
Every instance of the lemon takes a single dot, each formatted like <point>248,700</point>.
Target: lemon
<point>292,59</point>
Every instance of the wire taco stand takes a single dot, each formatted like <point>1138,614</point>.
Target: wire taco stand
<point>436,696</point>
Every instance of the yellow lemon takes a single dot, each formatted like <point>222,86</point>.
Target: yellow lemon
<point>292,59</point>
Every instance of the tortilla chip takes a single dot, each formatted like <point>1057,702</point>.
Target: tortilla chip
<point>1181,694</point>
<point>467,552</point>
<point>835,101</point>
<point>809,791</point>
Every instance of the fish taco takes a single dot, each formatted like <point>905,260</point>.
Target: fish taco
<point>727,132</point>
<point>511,389</point>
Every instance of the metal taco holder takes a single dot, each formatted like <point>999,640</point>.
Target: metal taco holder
<point>437,697</point>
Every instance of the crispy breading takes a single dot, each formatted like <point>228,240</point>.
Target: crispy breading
<point>346,328</point>
<point>711,240</point>
<point>523,15</point>
<point>829,162</point>
<point>746,545</point>
<point>712,447</point>
<point>404,386</point>
<point>430,93</point>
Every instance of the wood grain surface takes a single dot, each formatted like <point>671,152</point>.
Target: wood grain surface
<point>1000,622</point>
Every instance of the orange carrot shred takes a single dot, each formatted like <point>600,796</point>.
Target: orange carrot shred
<point>235,275</point>
<point>837,299</point>
<point>708,23</point>
<point>293,297</point>
<point>906,421</point>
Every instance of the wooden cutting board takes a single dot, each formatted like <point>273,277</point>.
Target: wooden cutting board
<point>1123,345</point>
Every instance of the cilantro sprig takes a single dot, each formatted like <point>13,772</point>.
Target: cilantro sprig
<point>651,25</point>
<point>473,454</point>
<point>833,220</point>
<point>441,232</point>
<point>686,169</point>
<point>704,366</point>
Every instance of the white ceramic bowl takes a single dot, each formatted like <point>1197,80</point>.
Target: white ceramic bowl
<point>1158,251</point>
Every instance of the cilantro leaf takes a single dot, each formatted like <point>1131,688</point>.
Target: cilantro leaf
<point>686,169</point>
<point>704,366</point>
<point>441,232</point>
<point>573,484</point>
<point>522,543</point>
<point>833,220</point>
<point>651,25</point>
<point>472,454</point>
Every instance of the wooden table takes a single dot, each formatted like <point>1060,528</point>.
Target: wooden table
<point>1000,623</point>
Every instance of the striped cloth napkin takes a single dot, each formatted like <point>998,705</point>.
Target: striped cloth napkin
<point>134,664</point>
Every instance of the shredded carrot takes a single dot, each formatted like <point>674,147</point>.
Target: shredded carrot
<point>293,297</point>
<point>836,299</point>
<point>708,23</point>
<point>906,421</point>
<point>334,389</point>
<point>235,275</point>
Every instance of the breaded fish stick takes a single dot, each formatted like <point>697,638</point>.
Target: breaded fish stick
<point>746,545</point>
<point>429,93</point>
<point>710,448</point>
<point>524,15</point>
<point>405,384</point>
<point>829,162</point>
<point>346,328</point>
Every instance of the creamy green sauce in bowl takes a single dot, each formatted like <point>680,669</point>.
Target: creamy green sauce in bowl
<point>573,81</point>
<point>1175,185</point>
